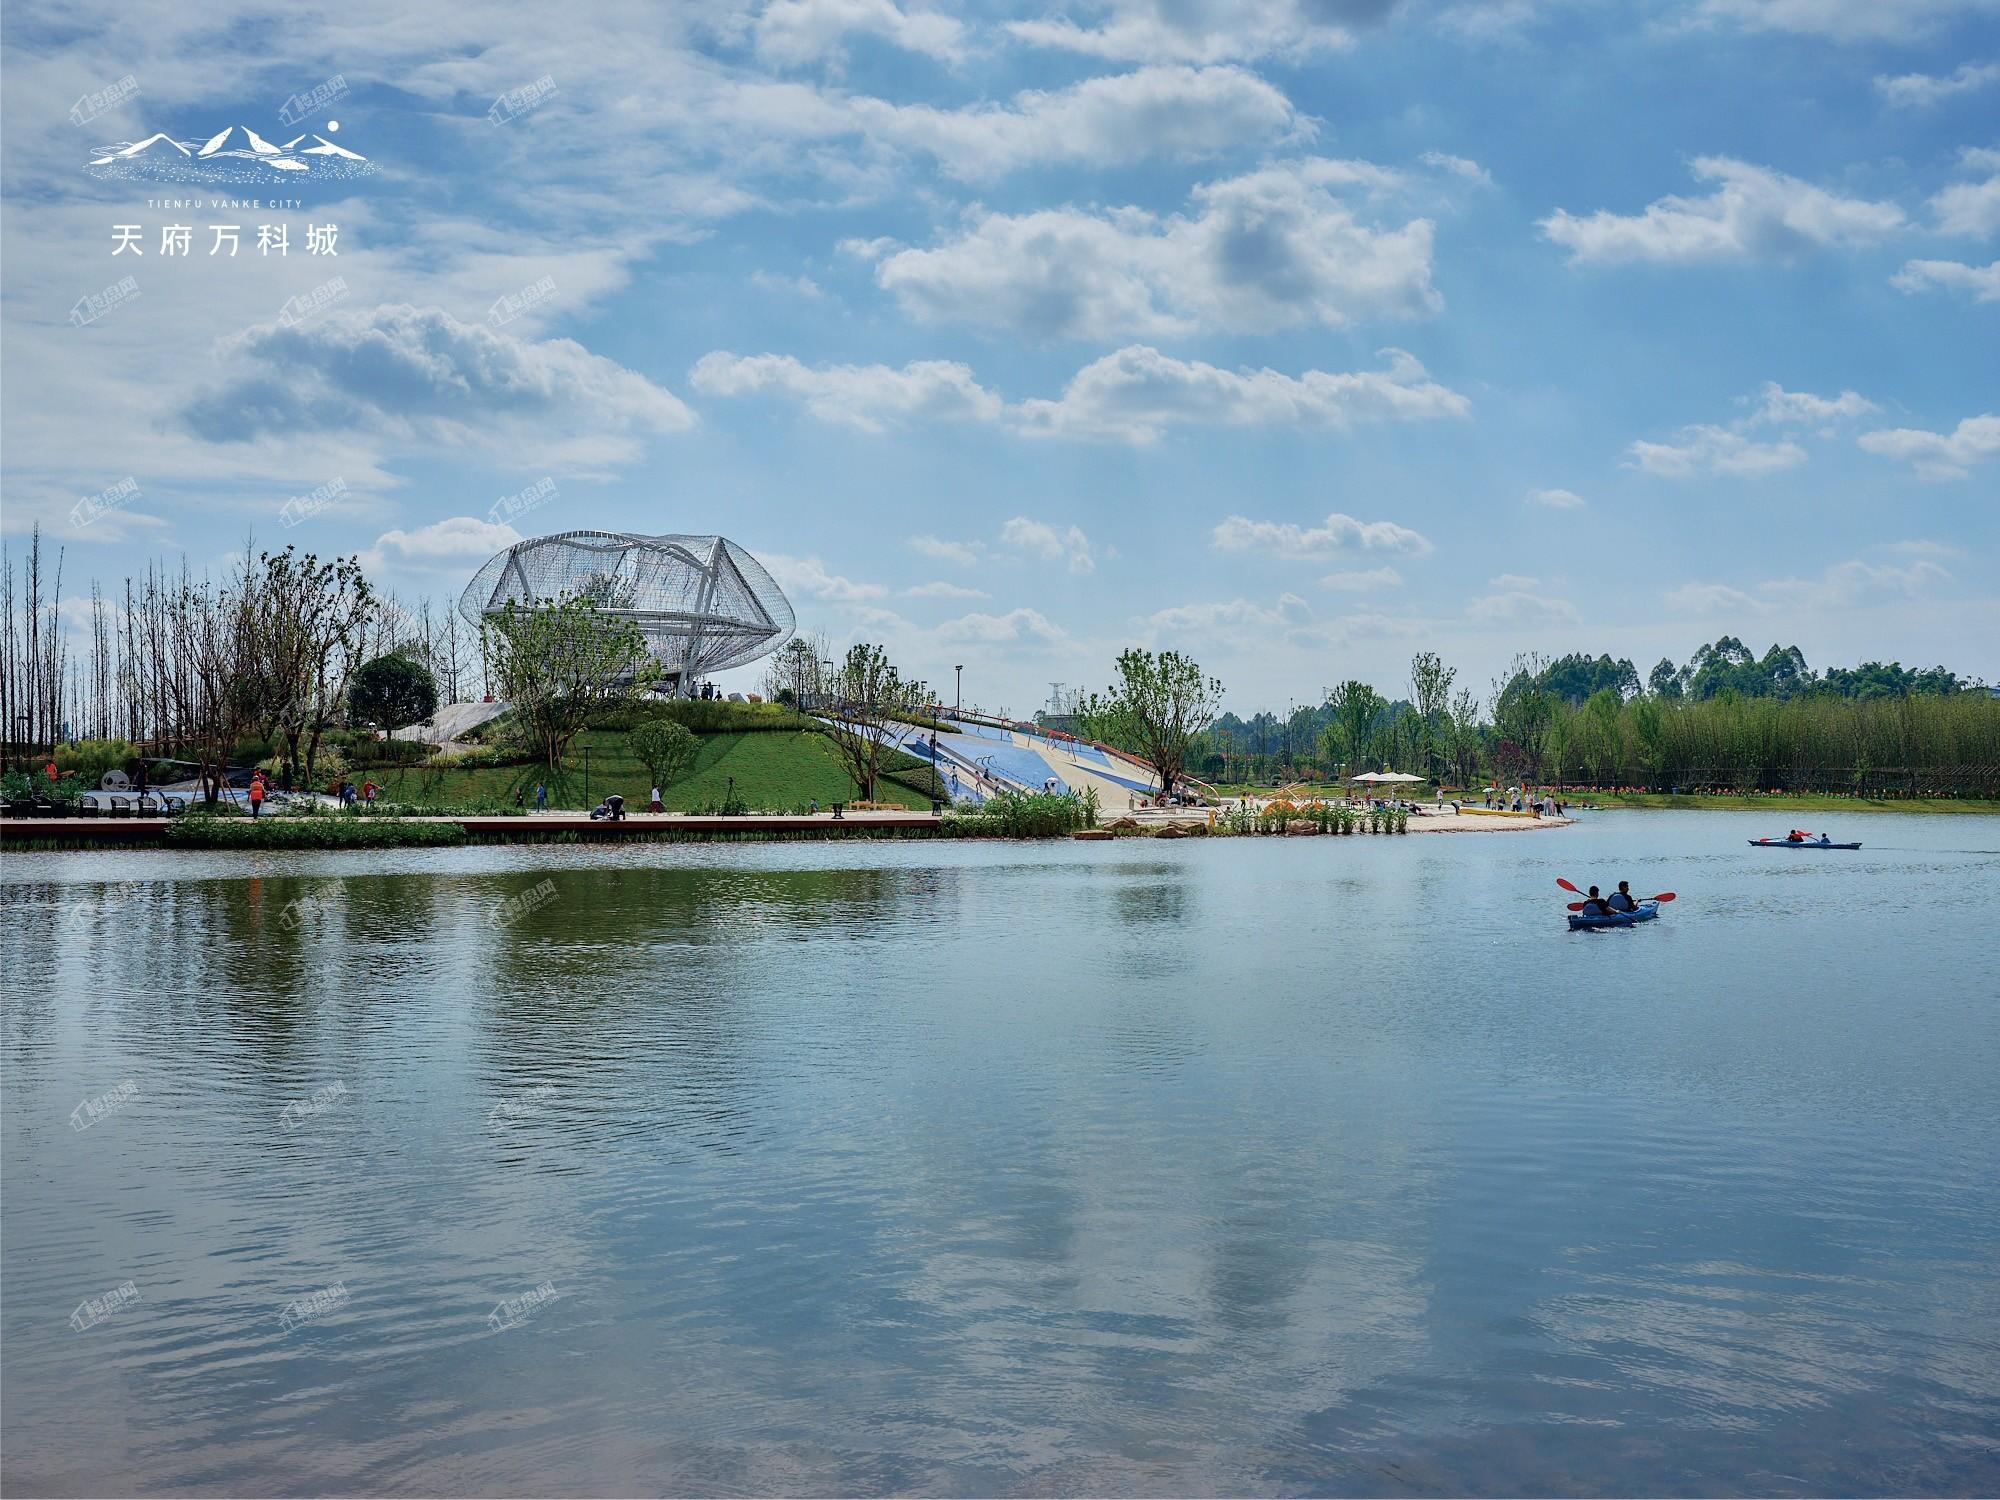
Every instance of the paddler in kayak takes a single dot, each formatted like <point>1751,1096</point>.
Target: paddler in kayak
<point>1595,905</point>
<point>1621,899</point>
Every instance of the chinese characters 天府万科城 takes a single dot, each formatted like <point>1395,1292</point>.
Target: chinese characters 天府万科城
<point>178,239</point>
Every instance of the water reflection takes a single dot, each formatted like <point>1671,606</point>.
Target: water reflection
<point>973,1169</point>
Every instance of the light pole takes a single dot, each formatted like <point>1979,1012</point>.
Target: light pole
<point>958,692</point>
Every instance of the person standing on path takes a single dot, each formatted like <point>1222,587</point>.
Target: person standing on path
<point>256,793</point>
<point>654,805</point>
<point>541,797</point>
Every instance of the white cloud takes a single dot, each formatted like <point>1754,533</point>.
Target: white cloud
<point>1754,212</point>
<point>807,578</point>
<point>1336,536</point>
<point>964,554</point>
<point>796,286</point>
<point>1556,499</point>
<point>1015,625</point>
<point>1458,166</point>
<point>1843,586</point>
<point>422,378</point>
<point>1134,394</point>
<point>1712,599</point>
<point>1363,582</point>
<point>1520,601</point>
<point>1067,545</point>
<point>1915,89</point>
<point>1938,455</point>
<point>795,32</point>
<point>1173,112</point>
<point>943,590</point>
<point>1275,249</point>
<point>1971,208</point>
<point>1779,407</point>
<point>1237,624</point>
<point>1704,449</point>
<point>1843,20</point>
<point>1950,275</point>
<point>864,396</point>
<point>454,545</point>
<point>1204,30</point>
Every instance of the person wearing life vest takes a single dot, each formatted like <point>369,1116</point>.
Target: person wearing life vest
<point>256,793</point>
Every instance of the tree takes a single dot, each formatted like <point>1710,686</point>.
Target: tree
<point>392,691</point>
<point>308,624</point>
<point>1465,735</point>
<point>1430,691</point>
<point>561,661</point>
<point>868,709</point>
<point>1665,679</point>
<point>1523,711</point>
<point>666,749</point>
<point>1159,703</point>
<point>1355,707</point>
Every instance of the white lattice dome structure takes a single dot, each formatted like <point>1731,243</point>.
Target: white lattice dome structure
<point>702,602</point>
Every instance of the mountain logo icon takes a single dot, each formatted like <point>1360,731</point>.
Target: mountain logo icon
<point>235,154</point>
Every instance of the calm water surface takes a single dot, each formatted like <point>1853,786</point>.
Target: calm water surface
<point>1263,1166</point>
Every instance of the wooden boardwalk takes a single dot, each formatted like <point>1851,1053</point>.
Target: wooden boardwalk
<point>137,830</point>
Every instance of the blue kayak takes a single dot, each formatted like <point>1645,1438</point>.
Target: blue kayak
<point>1799,844</point>
<point>1646,912</point>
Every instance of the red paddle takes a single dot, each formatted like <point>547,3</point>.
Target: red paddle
<point>1566,885</point>
<point>1663,896</point>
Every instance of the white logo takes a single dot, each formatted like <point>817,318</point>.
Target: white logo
<point>238,154</point>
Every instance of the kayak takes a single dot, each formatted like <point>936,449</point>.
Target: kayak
<point>1798,844</point>
<point>1646,912</point>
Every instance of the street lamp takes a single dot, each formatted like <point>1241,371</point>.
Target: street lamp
<point>958,693</point>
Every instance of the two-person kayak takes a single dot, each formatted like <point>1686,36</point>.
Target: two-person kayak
<point>1822,842</point>
<point>1646,912</point>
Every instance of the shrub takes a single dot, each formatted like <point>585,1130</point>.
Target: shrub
<point>203,831</point>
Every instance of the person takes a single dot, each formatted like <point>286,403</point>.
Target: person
<point>1595,905</point>
<point>541,797</point>
<point>139,785</point>
<point>368,790</point>
<point>521,797</point>
<point>256,793</point>
<point>1621,899</point>
<point>812,807</point>
<point>614,808</point>
<point>655,805</point>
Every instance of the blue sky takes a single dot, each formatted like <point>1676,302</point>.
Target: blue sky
<point>1296,334</point>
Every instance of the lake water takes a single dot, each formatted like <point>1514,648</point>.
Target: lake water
<point>1252,1166</point>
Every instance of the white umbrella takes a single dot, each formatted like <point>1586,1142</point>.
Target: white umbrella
<point>1390,776</point>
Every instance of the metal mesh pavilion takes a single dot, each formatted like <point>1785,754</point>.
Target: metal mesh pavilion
<point>702,602</point>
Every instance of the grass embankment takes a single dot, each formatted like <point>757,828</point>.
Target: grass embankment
<point>774,771</point>
<point>1778,803</point>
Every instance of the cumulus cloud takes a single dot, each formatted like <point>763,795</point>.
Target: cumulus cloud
<point>807,578</point>
<point>1706,449</point>
<point>1983,282</point>
<point>1939,455</point>
<point>1843,586</point>
<point>1203,30</point>
<point>1971,208</point>
<point>1173,112</point>
<point>943,590</point>
<point>1015,625</point>
<point>1132,395</point>
<point>420,376</point>
<point>868,397</point>
<point>1555,499</point>
<point>1458,166</point>
<point>1060,544</point>
<point>795,286</point>
<point>454,545</point>
<point>1235,623</point>
<point>1336,536</point>
<point>1911,90</point>
<point>938,549</point>
<point>1754,212</point>
<point>789,33</point>
<point>1778,407</point>
<point>1278,248</point>
<point>1362,582</point>
<point>1843,20</point>
<point>1520,601</point>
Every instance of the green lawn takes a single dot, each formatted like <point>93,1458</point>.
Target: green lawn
<point>1784,804</point>
<point>774,772</point>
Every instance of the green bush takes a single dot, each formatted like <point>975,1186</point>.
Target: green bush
<point>88,760</point>
<point>1019,815</point>
<point>203,831</point>
<point>702,715</point>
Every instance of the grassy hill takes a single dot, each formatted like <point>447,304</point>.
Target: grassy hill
<point>774,771</point>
